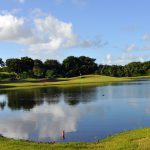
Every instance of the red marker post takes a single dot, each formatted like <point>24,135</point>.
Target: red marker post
<point>63,135</point>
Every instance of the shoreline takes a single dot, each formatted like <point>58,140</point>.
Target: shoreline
<point>87,80</point>
<point>132,139</point>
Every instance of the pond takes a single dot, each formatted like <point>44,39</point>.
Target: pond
<point>84,113</point>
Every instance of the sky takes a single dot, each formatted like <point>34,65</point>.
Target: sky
<point>111,31</point>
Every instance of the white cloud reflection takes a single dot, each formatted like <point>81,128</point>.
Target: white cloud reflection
<point>45,121</point>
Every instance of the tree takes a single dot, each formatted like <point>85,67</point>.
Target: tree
<point>87,65</point>
<point>50,74</point>
<point>146,67</point>
<point>14,65</point>
<point>38,63</point>
<point>71,66</point>
<point>134,69</point>
<point>13,76</point>
<point>114,70</point>
<point>53,65</point>
<point>75,66</point>
<point>38,72</point>
<point>1,63</point>
<point>26,64</point>
<point>38,69</point>
<point>23,75</point>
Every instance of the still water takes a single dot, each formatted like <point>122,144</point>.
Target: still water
<point>85,113</point>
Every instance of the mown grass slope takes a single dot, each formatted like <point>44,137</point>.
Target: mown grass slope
<point>88,79</point>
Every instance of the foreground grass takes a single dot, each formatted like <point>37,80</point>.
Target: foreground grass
<point>129,140</point>
<point>88,79</point>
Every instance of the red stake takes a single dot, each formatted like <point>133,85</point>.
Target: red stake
<point>63,134</point>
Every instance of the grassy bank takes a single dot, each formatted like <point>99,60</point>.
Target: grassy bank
<point>88,79</point>
<point>137,139</point>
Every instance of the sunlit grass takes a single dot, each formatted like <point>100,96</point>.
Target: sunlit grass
<point>65,82</point>
<point>88,79</point>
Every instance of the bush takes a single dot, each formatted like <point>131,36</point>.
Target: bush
<point>23,75</point>
<point>13,76</point>
<point>6,75</point>
<point>50,74</point>
<point>38,72</point>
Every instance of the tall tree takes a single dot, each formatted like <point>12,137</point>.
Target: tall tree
<point>134,69</point>
<point>1,63</point>
<point>71,66</point>
<point>87,65</point>
<point>14,65</point>
<point>75,66</point>
<point>38,69</point>
<point>26,64</point>
<point>38,63</point>
<point>54,66</point>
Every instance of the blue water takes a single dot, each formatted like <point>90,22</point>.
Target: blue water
<point>84,113</point>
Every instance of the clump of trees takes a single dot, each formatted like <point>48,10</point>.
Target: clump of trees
<point>130,70</point>
<point>70,67</point>
<point>75,66</point>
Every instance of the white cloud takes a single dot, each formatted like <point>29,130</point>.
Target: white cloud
<point>124,59</point>
<point>47,34</point>
<point>55,32</point>
<point>21,1</point>
<point>131,47</point>
<point>146,47</point>
<point>14,29</point>
<point>146,37</point>
<point>97,42</point>
<point>109,59</point>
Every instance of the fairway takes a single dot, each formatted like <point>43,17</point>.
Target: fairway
<point>84,80</point>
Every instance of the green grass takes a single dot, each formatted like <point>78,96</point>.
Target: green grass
<point>128,140</point>
<point>85,80</point>
<point>5,73</point>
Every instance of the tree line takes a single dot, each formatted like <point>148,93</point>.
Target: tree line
<point>70,67</point>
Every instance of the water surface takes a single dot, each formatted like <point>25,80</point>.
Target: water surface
<point>86,114</point>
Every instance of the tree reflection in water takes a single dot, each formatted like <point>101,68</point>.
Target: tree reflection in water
<point>47,112</point>
<point>28,99</point>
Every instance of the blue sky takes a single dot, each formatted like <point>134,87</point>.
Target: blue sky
<point>112,31</point>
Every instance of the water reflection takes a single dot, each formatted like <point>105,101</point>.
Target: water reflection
<point>3,99</point>
<point>83,113</point>
<point>44,122</point>
<point>74,96</point>
<point>44,115</point>
<point>28,99</point>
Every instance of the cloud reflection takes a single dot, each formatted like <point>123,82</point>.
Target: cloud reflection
<point>42,122</point>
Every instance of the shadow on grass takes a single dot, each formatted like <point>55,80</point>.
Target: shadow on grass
<point>32,81</point>
<point>5,86</point>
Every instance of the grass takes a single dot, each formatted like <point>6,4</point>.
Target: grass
<point>128,140</point>
<point>75,81</point>
<point>85,80</point>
